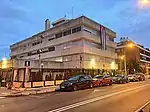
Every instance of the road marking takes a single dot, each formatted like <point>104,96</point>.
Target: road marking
<point>2,97</point>
<point>61,109</point>
<point>138,110</point>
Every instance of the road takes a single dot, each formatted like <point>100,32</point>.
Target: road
<point>116,98</point>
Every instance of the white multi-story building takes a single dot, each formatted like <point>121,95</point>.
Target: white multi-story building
<point>79,43</point>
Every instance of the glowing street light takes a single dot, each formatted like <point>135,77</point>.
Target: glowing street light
<point>92,61</point>
<point>130,45</point>
<point>123,57</point>
<point>145,2</point>
<point>4,62</point>
<point>112,65</point>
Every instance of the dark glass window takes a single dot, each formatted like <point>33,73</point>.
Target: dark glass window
<point>58,35</point>
<point>34,52</point>
<point>51,39</point>
<point>51,49</point>
<point>74,30</point>
<point>35,43</point>
<point>68,32</point>
<point>29,54</point>
<point>111,39</point>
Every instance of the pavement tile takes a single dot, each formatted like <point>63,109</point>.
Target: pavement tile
<point>27,91</point>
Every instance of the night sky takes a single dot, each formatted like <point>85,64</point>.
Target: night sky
<point>20,19</point>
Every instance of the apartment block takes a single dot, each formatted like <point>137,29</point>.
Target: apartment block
<point>66,45</point>
<point>137,52</point>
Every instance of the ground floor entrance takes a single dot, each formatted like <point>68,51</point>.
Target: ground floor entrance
<point>32,77</point>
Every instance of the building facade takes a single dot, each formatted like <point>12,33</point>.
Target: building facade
<point>137,52</point>
<point>66,45</point>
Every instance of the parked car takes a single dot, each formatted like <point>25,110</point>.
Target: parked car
<point>133,78</point>
<point>120,79</point>
<point>77,82</point>
<point>114,79</point>
<point>101,80</point>
<point>140,76</point>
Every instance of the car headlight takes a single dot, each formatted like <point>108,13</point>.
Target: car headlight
<point>119,78</point>
<point>69,84</point>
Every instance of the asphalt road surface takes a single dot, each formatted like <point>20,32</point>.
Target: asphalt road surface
<point>116,98</point>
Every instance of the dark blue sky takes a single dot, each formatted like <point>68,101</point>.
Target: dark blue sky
<point>20,19</point>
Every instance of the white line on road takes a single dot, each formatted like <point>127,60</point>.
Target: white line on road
<point>61,109</point>
<point>138,110</point>
<point>2,97</point>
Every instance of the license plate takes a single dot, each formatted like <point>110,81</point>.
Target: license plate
<point>62,87</point>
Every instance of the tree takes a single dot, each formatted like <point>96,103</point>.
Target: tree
<point>134,66</point>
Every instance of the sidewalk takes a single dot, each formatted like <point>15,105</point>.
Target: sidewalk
<point>26,91</point>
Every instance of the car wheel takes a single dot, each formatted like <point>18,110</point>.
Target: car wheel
<point>100,84</point>
<point>124,82</point>
<point>110,83</point>
<point>91,85</point>
<point>75,88</point>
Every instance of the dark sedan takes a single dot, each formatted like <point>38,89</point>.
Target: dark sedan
<point>77,82</point>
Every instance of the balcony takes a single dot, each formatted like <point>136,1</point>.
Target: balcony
<point>111,44</point>
<point>74,50</point>
<point>100,52</point>
<point>46,43</point>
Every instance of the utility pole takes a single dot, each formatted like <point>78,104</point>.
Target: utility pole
<point>41,37</point>
<point>72,12</point>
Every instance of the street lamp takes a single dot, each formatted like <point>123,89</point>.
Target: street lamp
<point>112,65</point>
<point>123,57</point>
<point>145,2</point>
<point>130,45</point>
<point>4,62</point>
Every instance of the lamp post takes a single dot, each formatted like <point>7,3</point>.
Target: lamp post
<point>42,65</point>
<point>41,37</point>
<point>123,57</point>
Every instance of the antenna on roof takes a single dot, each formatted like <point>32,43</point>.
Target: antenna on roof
<point>72,12</point>
<point>65,16</point>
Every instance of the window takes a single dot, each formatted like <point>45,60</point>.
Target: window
<point>68,32</point>
<point>36,43</point>
<point>67,58</point>
<point>58,35</point>
<point>34,53</point>
<point>44,50</point>
<point>51,39</point>
<point>21,56</point>
<point>111,39</point>
<point>89,30</point>
<point>29,54</point>
<point>51,49</point>
<point>74,30</point>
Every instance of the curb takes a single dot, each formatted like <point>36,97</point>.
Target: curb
<point>27,94</point>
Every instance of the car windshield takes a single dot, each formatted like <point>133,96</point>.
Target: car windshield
<point>120,76</point>
<point>130,75</point>
<point>74,78</point>
<point>99,76</point>
<point>114,77</point>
